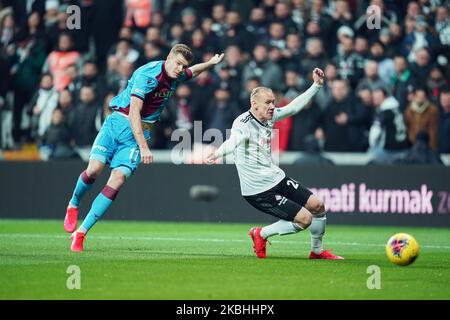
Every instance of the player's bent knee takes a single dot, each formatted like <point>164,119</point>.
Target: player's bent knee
<point>117,179</point>
<point>315,205</point>
<point>94,169</point>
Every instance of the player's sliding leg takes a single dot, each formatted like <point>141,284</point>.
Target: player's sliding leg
<point>84,184</point>
<point>282,227</point>
<point>317,229</point>
<point>100,205</point>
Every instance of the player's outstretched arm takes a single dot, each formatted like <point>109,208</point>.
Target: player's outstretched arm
<point>200,67</point>
<point>236,138</point>
<point>136,126</point>
<point>296,105</point>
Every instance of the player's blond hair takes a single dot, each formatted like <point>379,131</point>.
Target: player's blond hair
<point>257,91</point>
<point>184,50</point>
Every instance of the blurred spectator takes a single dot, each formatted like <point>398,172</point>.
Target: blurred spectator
<point>418,39</point>
<point>388,135</point>
<point>349,64</point>
<point>304,123</point>
<point>74,85</point>
<point>221,111</point>
<point>362,47</point>
<point>139,12</point>
<point>65,103</point>
<point>295,84</point>
<point>420,152</point>
<point>56,140</point>
<point>403,82</point>
<point>203,90</point>
<point>371,79</point>
<point>82,122</point>
<point>42,105</point>
<point>442,25</point>
<point>261,67</point>
<point>175,35</point>
<point>152,52</point>
<point>105,27</point>
<point>312,154</point>
<point>26,70</point>
<point>257,24</point>
<point>219,19</point>
<point>422,116</point>
<point>124,51</point>
<point>436,82</point>
<point>385,63</point>
<point>90,77</point>
<point>283,15</point>
<point>236,33</point>
<point>422,65</point>
<point>315,56</point>
<point>340,124</point>
<point>189,23</point>
<point>444,121</point>
<point>276,36</point>
<point>294,52</point>
<point>59,59</point>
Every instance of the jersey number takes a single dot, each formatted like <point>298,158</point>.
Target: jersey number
<point>134,154</point>
<point>293,184</point>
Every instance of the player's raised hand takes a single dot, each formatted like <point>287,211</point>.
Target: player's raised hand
<point>318,76</point>
<point>146,156</point>
<point>217,58</point>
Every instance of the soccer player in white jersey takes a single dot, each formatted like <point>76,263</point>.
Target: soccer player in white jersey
<point>263,184</point>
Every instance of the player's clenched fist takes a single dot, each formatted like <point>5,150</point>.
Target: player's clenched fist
<point>318,76</point>
<point>146,156</point>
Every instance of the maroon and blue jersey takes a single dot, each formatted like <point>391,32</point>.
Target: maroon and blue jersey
<point>151,84</point>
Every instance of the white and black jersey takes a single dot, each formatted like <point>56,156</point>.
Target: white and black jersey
<point>256,168</point>
<point>250,142</point>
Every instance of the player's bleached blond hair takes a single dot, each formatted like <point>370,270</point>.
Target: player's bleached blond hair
<point>257,91</point>
<point>184,50</point>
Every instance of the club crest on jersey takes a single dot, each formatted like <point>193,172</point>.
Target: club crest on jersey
<point>282,200</point>
<point>397,246</point>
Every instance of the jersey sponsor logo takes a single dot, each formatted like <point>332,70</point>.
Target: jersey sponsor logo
<point>163,94</point>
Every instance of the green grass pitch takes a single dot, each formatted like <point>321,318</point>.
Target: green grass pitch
<point>155,260</point>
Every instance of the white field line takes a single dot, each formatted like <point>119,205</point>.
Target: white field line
<point>147,238</point>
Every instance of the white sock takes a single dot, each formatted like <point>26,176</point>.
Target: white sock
<point>317,230</point>
<point>281,227</point>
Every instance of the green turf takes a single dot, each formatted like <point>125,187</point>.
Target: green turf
<point>138,260</point>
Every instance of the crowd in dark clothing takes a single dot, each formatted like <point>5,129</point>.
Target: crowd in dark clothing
<point>386,91</point>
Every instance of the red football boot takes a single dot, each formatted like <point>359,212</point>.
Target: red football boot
<point>259,243</point>
<point>71,219</point>
<point>326,254</point>
<point>77,241</point>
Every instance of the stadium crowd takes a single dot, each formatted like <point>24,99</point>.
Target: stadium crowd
<point>387,89</point>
